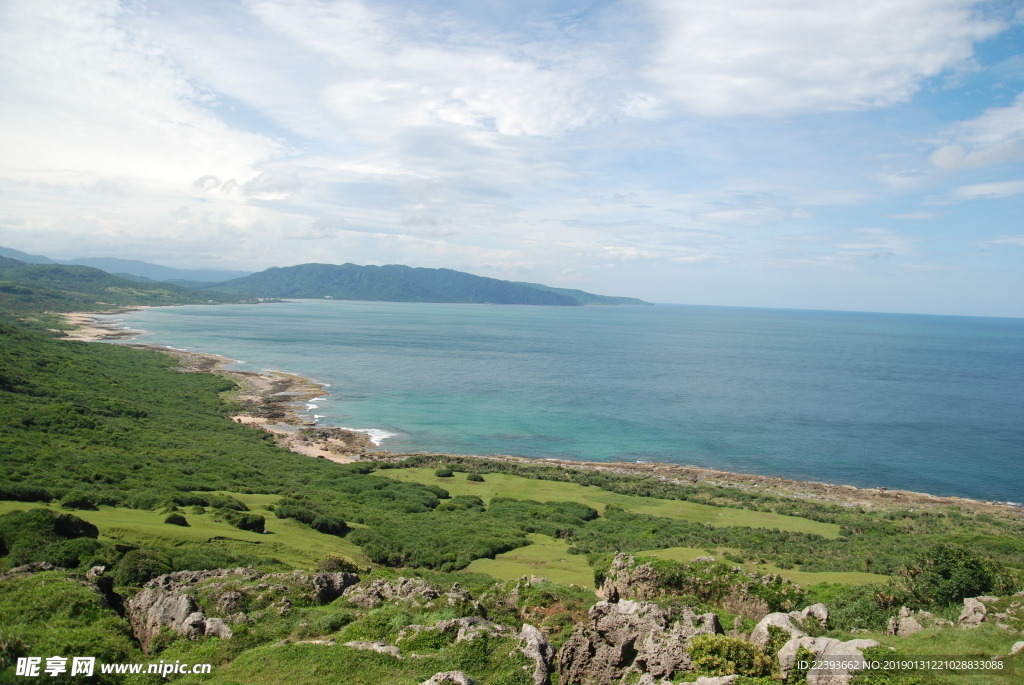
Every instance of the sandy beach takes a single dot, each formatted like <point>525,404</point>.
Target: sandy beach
<point>272,399</point>
<point>89,328</point>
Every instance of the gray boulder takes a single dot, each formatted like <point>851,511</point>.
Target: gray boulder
<point>624,635</point>
<point>380,590</point>
<point>1017,648</point>
<point>760,635</point>
<point>626,580</point>
<point>467,628</point>
<point>905,624</point>
<point>829,649</point>
<point>819,612</point>
<point>973,613</point>
<point>449,678</point>
<point>216,627</point>
<point>327,587</point>
<point>535,646</point>
<point>379,646</point>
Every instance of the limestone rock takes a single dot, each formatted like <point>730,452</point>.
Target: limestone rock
<point>826,648</point>
<point>973,614</point>
<point>535,646</point>
<point>629,634</point>
<point>157,607</point>
<point>448,678</point>
<point>815,611</point>
<point>170,600</point>
<point>377,646</point>
<point>905,624</point>
<point>1017,648</point>
<point>230,602</point>
<point>329,586</point>
<point>381,591</point>
<point>96,572</point>
<point>34,567</point>
<point>760,635</point>
<point>216,627</point>
<point>626,580</point>
<point>720,680</point>
<point>468,628</point>
<point>748,606</point>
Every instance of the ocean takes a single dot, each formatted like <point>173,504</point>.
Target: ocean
<point>926,403</point>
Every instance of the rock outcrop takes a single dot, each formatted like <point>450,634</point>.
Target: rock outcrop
<point>465,629</point>
<point>170,600</point>
<point>760,636</point>
<point>973,613</point>
<point>730,587</point>
<point>828,649</point>
<point>627,580</point>
<point>379,646</point>
<point>379,591</point>
<point>909,622</point>
<point>535,647</point>
<point>903,625</point>
<point>628,634</point>
<point>448,678</point>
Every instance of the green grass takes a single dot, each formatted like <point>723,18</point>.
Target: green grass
<point>288,541</point>
<point>800,577</point>
<point>329,665</point>
<point>546,557</point>
<point>505,485</point>
<point>985,641</point>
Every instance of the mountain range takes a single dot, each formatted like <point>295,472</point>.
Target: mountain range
<point>389,283</point>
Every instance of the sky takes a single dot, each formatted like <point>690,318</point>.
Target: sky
<point>771,153</point>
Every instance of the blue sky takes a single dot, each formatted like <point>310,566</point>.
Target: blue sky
<point>861,156</point>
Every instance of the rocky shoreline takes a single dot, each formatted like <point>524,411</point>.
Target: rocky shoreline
<point>272,398</point>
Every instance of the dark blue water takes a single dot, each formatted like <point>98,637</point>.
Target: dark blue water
<point>926,403</point>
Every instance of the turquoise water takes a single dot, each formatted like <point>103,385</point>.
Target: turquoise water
<point>926,403</point>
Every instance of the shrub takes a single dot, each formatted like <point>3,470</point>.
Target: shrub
<point>140,566</point>
<point>463,503</point>
<point>333,562</point>
<point>251,522</point>
<point>475,477</point>
<point>23,534</point>
<point>79,499</point>
<point>70,553</point>
<point>946,574</point>
<point>719,655</point>
<point>24,493</point>
<point>443,473</point>
<point>176,519</point>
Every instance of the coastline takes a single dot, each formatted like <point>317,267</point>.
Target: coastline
<point>273,396</point>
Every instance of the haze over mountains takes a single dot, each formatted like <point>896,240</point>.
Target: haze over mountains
<point>133,267</point>
<point>390,283</point>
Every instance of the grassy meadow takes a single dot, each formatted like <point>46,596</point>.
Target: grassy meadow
<point>517,487</point>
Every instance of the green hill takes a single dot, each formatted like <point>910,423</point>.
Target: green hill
<point>398,283</point>
<point>58,287</point>
<point>586,298</point>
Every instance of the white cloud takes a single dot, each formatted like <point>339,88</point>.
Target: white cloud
<point>915,216</point>
<point>89,100</point>
<point>1007,240</point>
<point>321,229</point>
<point>995,137</point>
<point>386,63</point>
<point>989,190</point>
<point>879,242</point>
<point>271,185</point>
<point>726,57</point>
